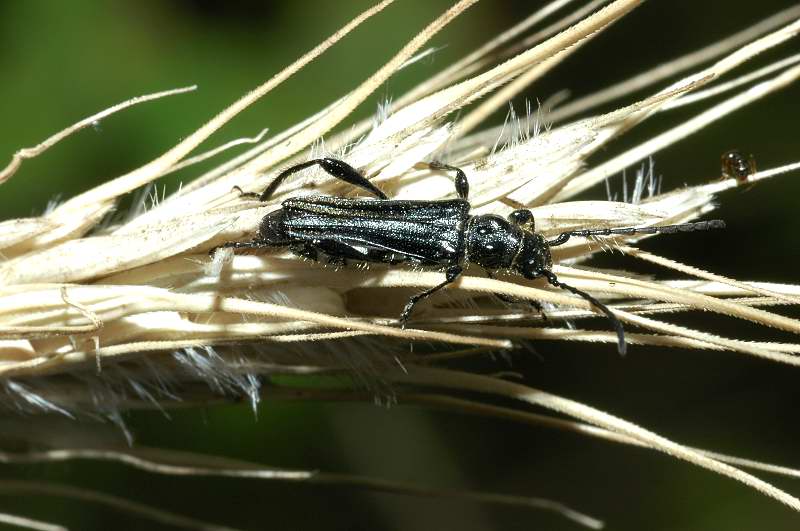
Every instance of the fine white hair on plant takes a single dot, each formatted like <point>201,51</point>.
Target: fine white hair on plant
<point>102,313</point>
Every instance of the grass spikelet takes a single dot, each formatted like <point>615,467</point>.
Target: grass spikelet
<point>101,315</point>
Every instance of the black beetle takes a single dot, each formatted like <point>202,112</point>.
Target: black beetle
<point>437,234</point>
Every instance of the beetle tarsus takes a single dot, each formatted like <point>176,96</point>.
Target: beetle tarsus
<point>461,181</point>
<point>249,195</point>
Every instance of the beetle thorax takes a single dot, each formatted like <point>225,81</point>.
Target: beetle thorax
<point>493,242</point>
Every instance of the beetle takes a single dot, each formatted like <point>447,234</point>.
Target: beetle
<point>438,234</point>
<point>735,165</point>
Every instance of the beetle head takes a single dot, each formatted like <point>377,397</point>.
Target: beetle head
<point>534,257</point>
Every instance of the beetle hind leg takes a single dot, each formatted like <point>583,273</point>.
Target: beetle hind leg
<point>252,244</point>
<point>248,195</point>
<point>333,167</point>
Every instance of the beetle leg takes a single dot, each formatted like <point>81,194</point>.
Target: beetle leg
<point>305,251</point>
<point>386,258</point>
<point>522,218</point>
<point>462,184</point>
<point>334,167</point>
<point>252,244</point>
<point>242,193</point>
<point>452,273</point>
<point>339,250</point>
<point>536,305</point>
<point>553,280</point>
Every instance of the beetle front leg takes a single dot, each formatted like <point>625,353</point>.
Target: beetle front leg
<point>536,305</point>
<point>452,273</point>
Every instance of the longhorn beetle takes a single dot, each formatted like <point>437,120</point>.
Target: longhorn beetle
<point>437,234</point>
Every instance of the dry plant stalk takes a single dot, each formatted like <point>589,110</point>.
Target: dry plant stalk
<point>123,303</point>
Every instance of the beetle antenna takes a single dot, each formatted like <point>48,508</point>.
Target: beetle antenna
<point>712,224</point>
<point>553,280</point>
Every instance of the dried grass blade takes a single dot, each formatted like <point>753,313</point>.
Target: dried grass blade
<point>29,523</point>
<point>23,487</point>
<point>141,176</point>
<point>699,273</point>
<point>475,59</point>
<point>356,97</point>
<point>477,408</point>
<point>198,465</point>
<point>657,291</point>
<point>602,171</point>
<point>470,382</point>
<point>31,152</point>
<point>675,66</point>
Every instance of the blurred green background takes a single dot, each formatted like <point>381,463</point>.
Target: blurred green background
<point>61,61</point>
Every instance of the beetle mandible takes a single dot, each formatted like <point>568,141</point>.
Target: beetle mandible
<point>438,234</point>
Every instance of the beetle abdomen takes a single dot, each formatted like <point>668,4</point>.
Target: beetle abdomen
<point>429,232</point>
<point>272,228</point>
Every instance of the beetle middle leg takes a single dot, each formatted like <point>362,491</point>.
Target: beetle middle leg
<point>305,250</point>
<point>462,184</point>
<point>452,273</point>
